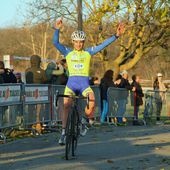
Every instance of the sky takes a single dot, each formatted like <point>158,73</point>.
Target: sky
<point>11,12</point>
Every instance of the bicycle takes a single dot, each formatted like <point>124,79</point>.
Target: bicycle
<point>73,125</point>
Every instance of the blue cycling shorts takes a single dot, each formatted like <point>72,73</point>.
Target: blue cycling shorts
<point>78,85</point>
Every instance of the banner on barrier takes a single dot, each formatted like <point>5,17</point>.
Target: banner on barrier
<point>10,94</point>
<point>36,94</point>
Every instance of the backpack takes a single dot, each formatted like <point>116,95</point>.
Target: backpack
<point>8,76</point>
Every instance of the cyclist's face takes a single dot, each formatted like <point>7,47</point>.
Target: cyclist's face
<point>78,45</point>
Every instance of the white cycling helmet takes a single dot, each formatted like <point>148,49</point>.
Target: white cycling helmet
<point>78,35</point>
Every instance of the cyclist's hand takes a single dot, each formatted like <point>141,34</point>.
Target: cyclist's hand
<point>120,29</point>
<point>58,23</point>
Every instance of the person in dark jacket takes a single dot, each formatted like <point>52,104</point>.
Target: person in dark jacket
<point>53,72</point>
<point>18,77</point>
<point>136,96</point>
<point>6,74</point>
<point>124,86</point>
<point>1,72</point>
<point>106,82</point>
<point>64,76</point>
<point>35,75</point>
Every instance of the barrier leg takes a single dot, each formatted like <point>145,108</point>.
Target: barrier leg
<point>2,138</point>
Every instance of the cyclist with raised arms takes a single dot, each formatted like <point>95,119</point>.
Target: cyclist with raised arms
<point>78,61</point>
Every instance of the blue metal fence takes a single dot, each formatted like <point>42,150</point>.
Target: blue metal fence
<point>22,105</point>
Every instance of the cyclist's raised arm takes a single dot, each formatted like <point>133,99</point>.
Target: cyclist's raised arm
<point>64,50</point>
<point>96,49</point>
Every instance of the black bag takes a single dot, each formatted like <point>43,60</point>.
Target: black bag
<point>139,100</point>
<point>8,76</point>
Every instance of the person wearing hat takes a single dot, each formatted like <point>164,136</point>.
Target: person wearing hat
<point>159,88</point>
<point>123,95</point>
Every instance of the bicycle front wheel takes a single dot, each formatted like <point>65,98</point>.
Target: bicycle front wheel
<point>76,131</point>
<point>69,136</point>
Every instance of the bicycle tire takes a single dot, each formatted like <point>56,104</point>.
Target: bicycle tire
<point>69,136</point>
<point>76,131</point>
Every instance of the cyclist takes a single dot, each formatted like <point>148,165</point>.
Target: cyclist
<point>78,61</point>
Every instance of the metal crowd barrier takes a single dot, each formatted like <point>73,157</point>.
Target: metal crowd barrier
<point>10,107</point>
<point>36,104</point>
<point>57,110</point>
<point>156,106</point>
<point>22,105</point>
<point>119,98</point>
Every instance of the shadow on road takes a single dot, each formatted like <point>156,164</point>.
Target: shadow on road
<point>102,148</point>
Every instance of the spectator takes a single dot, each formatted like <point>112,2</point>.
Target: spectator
<point>94,81</point>
<point>35,75</point>
<point>159,89</point>
<point>64,76</point>
<point>1,72</point>
<point>106,82</point>
<point>7,75</point>
<point>136,97</point>
<point>122,97</point>
<point>18,77</point>
<point>1,82</point>
<point>53,72</point>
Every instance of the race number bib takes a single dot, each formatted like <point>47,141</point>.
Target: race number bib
<point>78,66</point>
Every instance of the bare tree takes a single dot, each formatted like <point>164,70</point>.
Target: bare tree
<point>49,10</point>
<point>38,25</point>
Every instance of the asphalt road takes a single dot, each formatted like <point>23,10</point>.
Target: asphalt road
<point>103,148</point>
